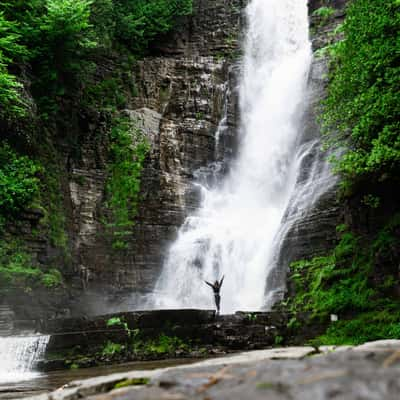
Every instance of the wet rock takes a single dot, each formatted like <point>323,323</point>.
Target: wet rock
<point>282,374</point>
<point>152,335</point>
<point>6,320</point>
<point>309,224</point>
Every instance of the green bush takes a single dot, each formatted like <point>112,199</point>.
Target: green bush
<point>343,283</point>
<point>368,326</point>
<point>62,41</point>
<point>111,349</point>
<point>324,12</point>
<point>163,344</point>
<point>140,21</point>
<point>362,110</point>
<point>19,271</point>
<point>11,103</point>
<point>19,182</point>
<point>52,278</point>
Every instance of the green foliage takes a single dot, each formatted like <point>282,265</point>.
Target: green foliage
<point>52,278</point>
<point>141,21</point>
<point>19,182</point>
<point>278,340</point>
<point>19,271</point>
<point>362,107</point>
<point>368,326</point>
<point>117,321</point>
<point>57,39</point>
<point>103,22</point>
<point>343,283</point>
<point>105,95</point>
<point>276,386</point>
<point>371,201</point>
<point>11,103</point>
<point>61,39</point>
<point>251,317</point>
<point>128,149</point>
<point>111,349</point>
<point>132,382</point>
<point>74,366</point>
<point>163,344</point>
<point>324,12</point>
<point>51,202</point>
<point>114,321</point>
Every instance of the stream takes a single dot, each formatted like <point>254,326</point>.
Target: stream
<point>39,383</point>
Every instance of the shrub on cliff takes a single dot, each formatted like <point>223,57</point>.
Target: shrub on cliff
<point>140,21</point>
<point>18,271</point>
<point>363,101</point>
<point>19,182</point>
<point>357,281</point>
<point>61,41</point>
<point>10,100</point>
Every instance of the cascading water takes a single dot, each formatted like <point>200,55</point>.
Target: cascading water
<point>233,232</point>
<point>18,356</point>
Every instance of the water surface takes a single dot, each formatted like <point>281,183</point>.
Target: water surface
<point>37,383</point>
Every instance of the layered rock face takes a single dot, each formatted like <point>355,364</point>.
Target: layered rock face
<point>183,90</point>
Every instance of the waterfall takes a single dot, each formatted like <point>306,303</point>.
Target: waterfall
<point>18,356</point>
<point>233,232</point>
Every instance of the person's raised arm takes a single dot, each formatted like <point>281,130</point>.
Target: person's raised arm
<point>222,279</point>
<point>209,284</point>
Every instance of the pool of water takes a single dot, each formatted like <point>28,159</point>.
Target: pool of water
<point>31,383</point>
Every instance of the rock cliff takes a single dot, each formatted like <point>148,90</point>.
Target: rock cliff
<point>183,90</point>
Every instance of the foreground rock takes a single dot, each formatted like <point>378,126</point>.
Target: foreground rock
<point>365,372</point>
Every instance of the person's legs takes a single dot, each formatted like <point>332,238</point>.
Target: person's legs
<point>217,301</point>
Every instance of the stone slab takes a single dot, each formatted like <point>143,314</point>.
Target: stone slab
<point>277,374</point>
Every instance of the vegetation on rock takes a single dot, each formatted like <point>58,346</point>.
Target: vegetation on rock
<point>19,181</point>
<point>19,271</point>
<point>131,382</point>
<point>128,152</point>
<point>350,283</point>
<point>163,344</point>
<point>61,40</point>
<point>363,103</point>
<point>359,279</point>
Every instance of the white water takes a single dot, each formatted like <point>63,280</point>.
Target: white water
<point>18,356</point>
<point>233,232</point>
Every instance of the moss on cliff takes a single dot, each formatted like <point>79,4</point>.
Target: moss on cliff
<point>128,151</point>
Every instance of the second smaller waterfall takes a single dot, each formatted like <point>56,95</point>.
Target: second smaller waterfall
<point>18,356</point>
